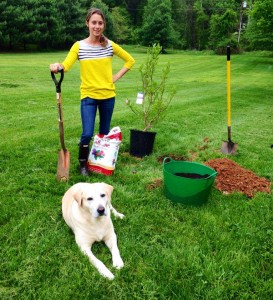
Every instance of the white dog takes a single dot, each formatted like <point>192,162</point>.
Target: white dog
<point>86,210</point>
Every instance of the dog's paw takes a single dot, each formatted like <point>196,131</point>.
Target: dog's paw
<point>118,263</point>
<point>103,270</point>
<point>106,273</point>
<point>119,215</point>
<point>116,213</point>
<point>109,276</point>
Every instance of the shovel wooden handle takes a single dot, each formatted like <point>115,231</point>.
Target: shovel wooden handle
<point>61,124</point>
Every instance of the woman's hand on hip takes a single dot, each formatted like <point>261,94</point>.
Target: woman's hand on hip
<point>119,74</point>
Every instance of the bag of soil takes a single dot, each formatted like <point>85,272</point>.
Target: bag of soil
<point>104,152</point>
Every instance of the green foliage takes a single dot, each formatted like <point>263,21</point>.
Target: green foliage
<point>157,24</point>
<point>156,101</point>
<point>179,10</point>
<point>192,20</point>
<point>221,47</point>
<point>135,9</point>
<point>221,28</point>
<point>50,30</point>
<point>122,26</point>
<point>73,13</point>
<point>259,32</point>
<point>179,24</point>
<point>19,14</point>
<point>44,24</point>
<point>202,26</point>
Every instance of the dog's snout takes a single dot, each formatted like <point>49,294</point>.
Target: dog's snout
<point>101,210</point>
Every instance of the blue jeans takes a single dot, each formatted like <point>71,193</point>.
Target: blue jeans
<point>88,114</point>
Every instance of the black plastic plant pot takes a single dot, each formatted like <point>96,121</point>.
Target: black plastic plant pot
<point>141,142</point>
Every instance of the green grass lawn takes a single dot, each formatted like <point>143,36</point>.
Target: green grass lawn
<point>222,250</point>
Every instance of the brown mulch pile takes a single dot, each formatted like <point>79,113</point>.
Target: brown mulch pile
<point>156,183</point>
<point>232,177</point>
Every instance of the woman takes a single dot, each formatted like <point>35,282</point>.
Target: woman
<point>97,88</point>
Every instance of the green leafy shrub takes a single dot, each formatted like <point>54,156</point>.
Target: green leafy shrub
<point>156,99</point>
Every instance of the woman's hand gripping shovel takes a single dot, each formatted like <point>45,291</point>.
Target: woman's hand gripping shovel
<point>229,147</point>
<point>63,154</point>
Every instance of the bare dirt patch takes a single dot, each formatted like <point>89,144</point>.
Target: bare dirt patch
<point>154,184</point>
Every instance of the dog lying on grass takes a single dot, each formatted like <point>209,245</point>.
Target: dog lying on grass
<point>86,209</point>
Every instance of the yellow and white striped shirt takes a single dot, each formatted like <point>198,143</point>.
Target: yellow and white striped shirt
<point>96,67</point>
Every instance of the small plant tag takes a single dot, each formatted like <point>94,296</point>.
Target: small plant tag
<point>139,99</point>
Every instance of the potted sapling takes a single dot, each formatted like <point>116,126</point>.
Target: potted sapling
<point>151,103</point>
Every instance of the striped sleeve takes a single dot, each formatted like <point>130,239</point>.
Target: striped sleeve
<point>71,57</point>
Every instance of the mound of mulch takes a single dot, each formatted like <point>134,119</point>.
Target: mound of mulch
<point>232,177</point>
<point>154,184</point>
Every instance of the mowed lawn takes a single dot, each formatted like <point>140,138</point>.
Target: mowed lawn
<point>222,250</point>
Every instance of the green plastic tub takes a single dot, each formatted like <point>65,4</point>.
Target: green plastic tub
<point>193,184</point>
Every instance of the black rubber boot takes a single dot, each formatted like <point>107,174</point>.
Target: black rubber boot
<point>83,157</point>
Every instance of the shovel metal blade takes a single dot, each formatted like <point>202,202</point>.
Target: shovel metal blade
<point>63,165</point>
<point>229,147</point>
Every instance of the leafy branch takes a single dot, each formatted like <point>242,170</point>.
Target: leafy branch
<point>156,100</point>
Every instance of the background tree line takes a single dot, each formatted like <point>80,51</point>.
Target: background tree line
<point>179,24</point>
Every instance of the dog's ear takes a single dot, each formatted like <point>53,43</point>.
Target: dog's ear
<point>109,189</point>
<point>78,197</point>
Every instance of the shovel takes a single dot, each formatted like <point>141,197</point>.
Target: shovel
<point>229,147</point>
<point>63,154</point>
